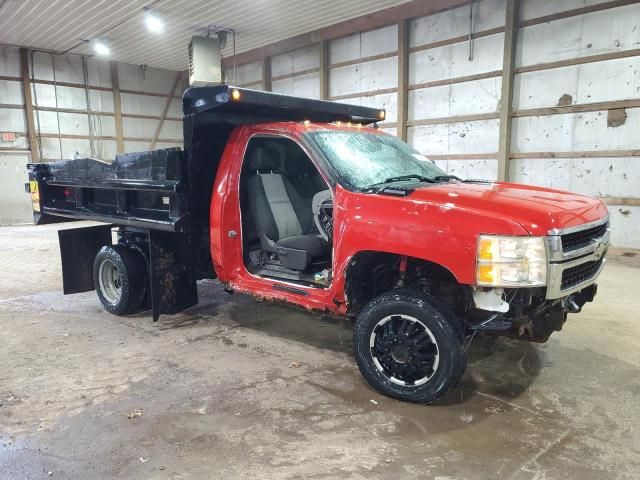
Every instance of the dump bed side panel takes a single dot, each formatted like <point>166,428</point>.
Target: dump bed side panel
<point>146,189</point>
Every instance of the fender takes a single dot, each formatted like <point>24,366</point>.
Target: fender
<point>441,234</point>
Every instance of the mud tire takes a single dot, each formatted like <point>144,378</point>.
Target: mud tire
<point>442,324</point>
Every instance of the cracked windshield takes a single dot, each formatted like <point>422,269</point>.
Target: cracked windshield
<point>368,159</point>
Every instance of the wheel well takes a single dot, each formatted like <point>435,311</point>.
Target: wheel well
<point>370,274</point>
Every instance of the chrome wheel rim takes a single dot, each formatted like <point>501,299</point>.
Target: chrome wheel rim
<point>110,281</point>
<point>404,350</point>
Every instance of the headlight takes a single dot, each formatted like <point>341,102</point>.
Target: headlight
<point>511,261</point>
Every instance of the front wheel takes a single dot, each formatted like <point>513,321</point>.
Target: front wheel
<point>409,346</point>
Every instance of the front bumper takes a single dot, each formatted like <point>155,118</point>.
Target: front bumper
<point>572,270</point>
<point>535,313</point>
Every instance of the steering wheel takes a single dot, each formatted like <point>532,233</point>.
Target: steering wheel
<point>322,207</point>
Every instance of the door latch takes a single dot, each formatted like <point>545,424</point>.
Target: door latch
<point>232,234</point>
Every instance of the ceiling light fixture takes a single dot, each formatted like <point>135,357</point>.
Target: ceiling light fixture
<point>101,47</point>
<point>153,21</point>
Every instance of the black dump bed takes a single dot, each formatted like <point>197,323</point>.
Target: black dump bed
<point>170,189</point>
<point>137,189</point>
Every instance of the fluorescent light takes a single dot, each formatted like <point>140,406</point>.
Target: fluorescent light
<point>101,47</point>
<point>154,23</point>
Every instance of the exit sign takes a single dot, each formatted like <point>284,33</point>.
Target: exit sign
<point>8,136</point>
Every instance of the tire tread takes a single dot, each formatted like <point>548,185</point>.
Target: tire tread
<point>444,319</point>
<point>134,285</point>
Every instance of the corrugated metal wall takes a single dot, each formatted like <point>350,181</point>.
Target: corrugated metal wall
<point>75,112</point>
<point>576,100</point>
<point>297,73</point>
<point>15,205</point>
<point>584,110</point>
<point>451,81</point>
<point>363,70</point>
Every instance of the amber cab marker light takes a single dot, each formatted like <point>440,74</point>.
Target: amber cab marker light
<point>235,94</point>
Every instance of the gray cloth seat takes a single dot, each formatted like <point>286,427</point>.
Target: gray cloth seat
<point>283,218</point>
<point>314,245</point>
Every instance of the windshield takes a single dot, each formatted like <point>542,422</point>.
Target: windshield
<point>366,159</point>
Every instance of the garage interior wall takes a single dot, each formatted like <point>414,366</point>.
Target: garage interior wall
<point>86,108</point>
<point>575,97</point>
<point>575,113</point>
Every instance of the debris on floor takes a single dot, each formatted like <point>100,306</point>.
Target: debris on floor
<point>466,417</point>
<point>136,412</point>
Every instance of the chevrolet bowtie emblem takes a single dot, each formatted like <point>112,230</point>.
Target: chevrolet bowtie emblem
<point>600,250</point>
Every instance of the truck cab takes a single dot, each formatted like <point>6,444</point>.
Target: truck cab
<point>307,202</point>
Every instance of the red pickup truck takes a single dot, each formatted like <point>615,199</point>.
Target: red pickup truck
<point>301,201</point>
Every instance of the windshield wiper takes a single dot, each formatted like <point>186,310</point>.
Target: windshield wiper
<point>444,178</point>
<point>411,176</point>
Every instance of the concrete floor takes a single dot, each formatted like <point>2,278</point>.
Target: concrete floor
<point>216,392</point>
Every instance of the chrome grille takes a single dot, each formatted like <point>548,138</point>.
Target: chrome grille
<point>583,238</point>
<point>580,273</point>
<point>577,255</point>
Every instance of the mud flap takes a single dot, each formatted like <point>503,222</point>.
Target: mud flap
<point>172,273</point>
<point>78,249</point>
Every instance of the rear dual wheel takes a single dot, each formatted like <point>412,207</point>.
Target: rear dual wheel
<point>120,278</point>
<point>409,346</point>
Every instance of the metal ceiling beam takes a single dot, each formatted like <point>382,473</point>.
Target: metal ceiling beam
<point>117,107</point>
<point>506,99</point>
<point>323,46</point>
<point>165,111</point>
<point>28,104</point>
<point>403,78</point>
<point>266,74</point>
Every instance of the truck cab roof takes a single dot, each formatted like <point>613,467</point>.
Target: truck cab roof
<point>306,126</point>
